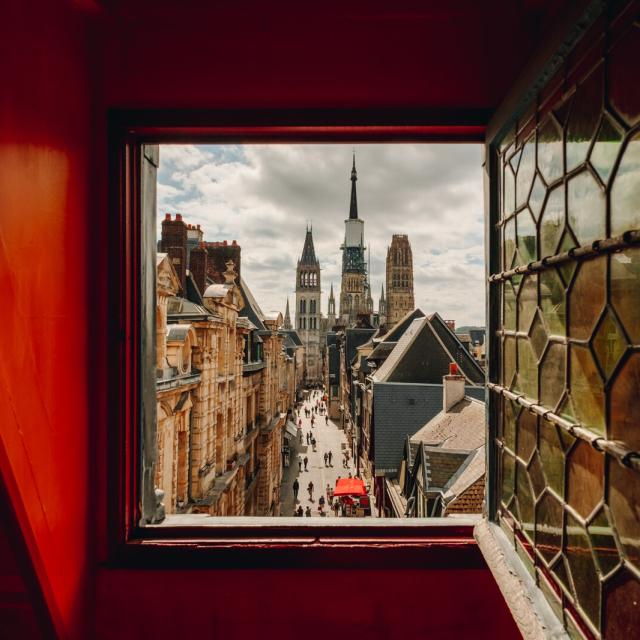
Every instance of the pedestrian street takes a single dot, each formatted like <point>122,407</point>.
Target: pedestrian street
<point>329,438</point>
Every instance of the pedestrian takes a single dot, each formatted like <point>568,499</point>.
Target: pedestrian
<point>326,420</point>
<point>326,457</point>
<point>312,421</point>
<point>321,501</point>
<point>350,474</point>
<point>310,490</point>
<point>330,456</point>
<point>300,423</point>
<point>306,461</point>
<point>328,492</point>
<point>296,487</point>
<point>299,463</point>
<point>336,507</point>
<point>299,512</point>
<point>308,438</point>
<point>313,443</point>
<point>300,435</point>
<point>308,512</point>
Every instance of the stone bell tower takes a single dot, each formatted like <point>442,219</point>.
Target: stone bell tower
<point>308,311</point>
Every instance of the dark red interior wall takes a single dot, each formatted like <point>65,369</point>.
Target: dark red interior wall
<point>294,604</point>
<point>64,63</point>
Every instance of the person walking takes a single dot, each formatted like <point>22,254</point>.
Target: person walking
<point>326,457</point>
<point>299,463</point>
<point>326,419</point>
<point>336,507</point>
<point>296,488</point>
<point>310,490</point>
<point>308,512</point>
<point>312,421</point>
<point>300,512</point>
<point>330,456</point>
<point>308,438</point>
<point>306,461</point>
<point>313,443</point>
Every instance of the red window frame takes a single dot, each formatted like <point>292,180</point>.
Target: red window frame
<point>264,542</point>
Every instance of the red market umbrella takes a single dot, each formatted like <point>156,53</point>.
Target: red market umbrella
<point>350,487</point>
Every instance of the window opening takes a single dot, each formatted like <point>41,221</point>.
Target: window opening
<point>243,414</point>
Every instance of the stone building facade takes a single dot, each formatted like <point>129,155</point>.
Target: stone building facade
<point>224,385</point>
<point>400,298</point>
<point>308,308</point>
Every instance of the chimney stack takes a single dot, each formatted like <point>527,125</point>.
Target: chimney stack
<point>174,243</point>
<point>453,388</point>
<point>198,267</point>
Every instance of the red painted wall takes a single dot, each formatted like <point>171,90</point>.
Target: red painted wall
<point>45,178</point>
<point>64,63</point>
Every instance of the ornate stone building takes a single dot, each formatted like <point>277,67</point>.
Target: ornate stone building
<point>225,382</point>
<point>308,310</point>
<point>400,299</point>
<point>355,294</point>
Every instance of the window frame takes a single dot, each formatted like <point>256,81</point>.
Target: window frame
<point>131,244</point>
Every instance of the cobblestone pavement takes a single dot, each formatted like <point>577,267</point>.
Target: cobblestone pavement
<point>328,438</point>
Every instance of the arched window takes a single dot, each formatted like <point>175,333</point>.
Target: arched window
<point>303,306</point>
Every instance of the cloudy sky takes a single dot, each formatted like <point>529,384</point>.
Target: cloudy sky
<point>263,196</point>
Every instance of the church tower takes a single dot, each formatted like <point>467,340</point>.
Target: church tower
<point>354,287</point>
<point>331,315</point>
<point>287,317</point>
<point>400,298</point>
<point>382,309</point>
<point>308,308</point>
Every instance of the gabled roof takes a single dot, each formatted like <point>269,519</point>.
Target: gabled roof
<point>440,465</point>
<point>355,337</point>
<point>469,472</point>
<point>462,427</point>
<point>424,352</point>
<point>399,350</point>
<point>457,351</point>
<point>395,333</point>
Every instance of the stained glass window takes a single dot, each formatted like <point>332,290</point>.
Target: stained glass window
<point>568,385</point>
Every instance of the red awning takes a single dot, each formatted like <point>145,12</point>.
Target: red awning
<point>350,487</point>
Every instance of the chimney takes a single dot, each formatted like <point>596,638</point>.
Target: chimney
<point>179,217</point>
<point>174,242</point>
<point>452,388</point>
<point>198,267</point>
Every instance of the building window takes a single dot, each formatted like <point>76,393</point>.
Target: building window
<point>566,390</point>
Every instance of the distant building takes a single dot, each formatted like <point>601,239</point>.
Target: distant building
<point>355,293</point>
<point>400,298</point>
<point>308,310</point>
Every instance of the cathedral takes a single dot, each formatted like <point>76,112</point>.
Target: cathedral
<point>308,311</point>
<point>400,299</point>
<point>355,292</point>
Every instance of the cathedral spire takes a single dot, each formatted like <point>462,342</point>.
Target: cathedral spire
<point>381,294</point>
<point>308,251</point>
<point>353,207</point>
<point>287,316</point>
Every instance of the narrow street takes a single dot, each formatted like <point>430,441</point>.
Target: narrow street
<point>328,438</point>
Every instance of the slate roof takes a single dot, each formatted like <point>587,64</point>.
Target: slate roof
<point>399,411</point>
<point>382,351</point>
<point>401,347</point>
<point>395,333</point>
<point>440,465</point>
<point>251,307</point>
<point>183,309</point>
<point>353,339</point>
<point>293,334</point>
<point>459,353</point>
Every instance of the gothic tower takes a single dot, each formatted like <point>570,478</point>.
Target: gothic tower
<point>287,317</point>
<point>400,298</point>
<point>354,286</point>
<point>308,308</point>
<point>331,314</point>
<point>382,309</point>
